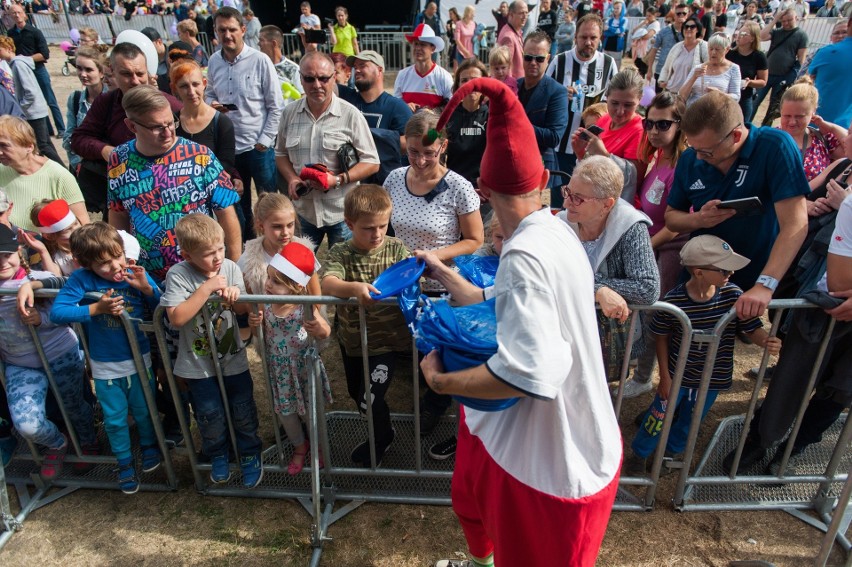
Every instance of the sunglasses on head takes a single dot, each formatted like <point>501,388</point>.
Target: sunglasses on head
<point>661,125</point>
<point>537,58</point>
<point>311,80</point>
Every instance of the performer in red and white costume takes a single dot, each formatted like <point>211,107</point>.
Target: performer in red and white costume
<point>425,84</point>
<point>534,484</point>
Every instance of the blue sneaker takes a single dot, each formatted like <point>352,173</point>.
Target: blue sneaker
<point>221,471</point>
<point>150,459</point>
<point>7,449</point>
<point>252,468</point>
<point>127,479</point>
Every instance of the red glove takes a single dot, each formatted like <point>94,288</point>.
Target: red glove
<point>316,172</point>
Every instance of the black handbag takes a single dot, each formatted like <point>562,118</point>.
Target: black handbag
<point>347,156</point>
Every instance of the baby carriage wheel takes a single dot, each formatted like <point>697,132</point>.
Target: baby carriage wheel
<point>65,70</point>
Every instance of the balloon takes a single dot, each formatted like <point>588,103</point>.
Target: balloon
<point>648,94</point>
<point>65,46</point>
<point>74,34</point>
<point>141,41</point>
<point>173,29</point>
<point>289,91</point>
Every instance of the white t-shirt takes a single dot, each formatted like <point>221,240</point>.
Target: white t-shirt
<point>841,238</point>
<point>563,439</point>
<point>430,90</point>
<point>431,221</point>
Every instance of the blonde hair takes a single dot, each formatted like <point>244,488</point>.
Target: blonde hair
<point>188,26</point>
<point>627,80</point>
<point>96,242</point>
<point>143,99</point>
<point>295,289</point>
<point>597,110</point>
<point>196,230</point>
<point>367,199</point>
<point>18,130</point>
<point>602,174</point>
<point>469,10</point>
<point>7,42</point>
<point>802,90</point>
<point>754,31</point>
<point>499,55</point>
<point>94,54</point>
<point>269,203</point>
<point>89,33</point>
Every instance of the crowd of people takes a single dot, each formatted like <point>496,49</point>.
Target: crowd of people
<point>223,173</point>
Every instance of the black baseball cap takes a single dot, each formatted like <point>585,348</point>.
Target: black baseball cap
<point>8,240</point>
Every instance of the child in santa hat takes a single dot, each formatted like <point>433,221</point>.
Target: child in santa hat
<point>56,223</point>
<point>289,332</point>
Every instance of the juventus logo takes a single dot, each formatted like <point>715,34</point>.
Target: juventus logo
<point>598,75</point>
<point>742,171</point>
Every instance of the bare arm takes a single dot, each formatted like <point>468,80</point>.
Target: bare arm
<point>472,238</point>
<point>476,382</point>
<point>708,216</point>
<point>227,217</point>
<point>79,210</point>
<point>463,292</point>
<point>662,346</point>
<point>801,55</point>
<point>332,285</point>
<point>180,315</point>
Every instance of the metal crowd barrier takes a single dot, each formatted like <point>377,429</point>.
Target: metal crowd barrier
<point>56,30</point>
<point>816,488</point>
<point>22,472</point>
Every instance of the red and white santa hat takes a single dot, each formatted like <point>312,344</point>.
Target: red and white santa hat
<point>297,262</point>
<point>425,33</point>
<point>55,217</point>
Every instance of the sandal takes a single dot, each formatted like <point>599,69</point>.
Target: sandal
<point>297,462</point>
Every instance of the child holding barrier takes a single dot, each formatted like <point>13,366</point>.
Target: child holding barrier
<point>348,271</point>
<point>287,333</point>
<point>99,249</point>
<point>705,298</point>
<point>26,378</point>
<point>189,285</point>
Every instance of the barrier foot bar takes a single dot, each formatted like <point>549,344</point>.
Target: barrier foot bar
<point>30,503</point>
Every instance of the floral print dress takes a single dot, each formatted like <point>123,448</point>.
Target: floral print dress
<point>287,348</point>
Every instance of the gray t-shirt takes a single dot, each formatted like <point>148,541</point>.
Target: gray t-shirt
<point>782,51</point>
<point>194,358</point>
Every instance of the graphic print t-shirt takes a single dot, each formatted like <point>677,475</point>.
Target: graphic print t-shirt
<point>157,191</point>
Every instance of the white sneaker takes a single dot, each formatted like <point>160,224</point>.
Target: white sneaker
<point>632,388</point>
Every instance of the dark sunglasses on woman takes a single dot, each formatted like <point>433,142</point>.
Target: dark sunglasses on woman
<point>661,125</point>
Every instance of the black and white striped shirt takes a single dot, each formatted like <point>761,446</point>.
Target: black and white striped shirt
<point>594,76</point>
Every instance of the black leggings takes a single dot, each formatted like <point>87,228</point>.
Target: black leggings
<point>381,368</point>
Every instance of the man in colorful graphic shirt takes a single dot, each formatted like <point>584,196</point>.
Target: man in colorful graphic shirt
<point>157,178</point>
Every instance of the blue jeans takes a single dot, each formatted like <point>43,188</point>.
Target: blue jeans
<point>210,414</point>
<point>336,232</point>
<point>747,106</point>
<point>652,423</point>
<point>26,390</point>
<point>117,396</point>
<point>260,167</point>
<point>43,79</point>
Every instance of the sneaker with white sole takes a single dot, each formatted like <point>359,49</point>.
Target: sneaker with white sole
<point>454,563</point>
<point>150,459</point>
<point>444,449</point>
<point>632,388</point>
<point>127,479</point>
<point>252,468</point>
<point>221,469</point>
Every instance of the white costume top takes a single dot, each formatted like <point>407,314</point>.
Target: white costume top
<point>563,439</point>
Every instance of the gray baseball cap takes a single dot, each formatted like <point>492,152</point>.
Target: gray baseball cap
<point>366,55</point>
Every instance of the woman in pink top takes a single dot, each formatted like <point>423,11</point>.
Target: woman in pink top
<point>465,30</point>
<point>622,126</point>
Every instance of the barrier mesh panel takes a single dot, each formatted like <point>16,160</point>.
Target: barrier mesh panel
<point>812,461</point>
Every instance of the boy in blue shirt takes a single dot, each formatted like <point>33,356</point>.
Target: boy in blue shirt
<point>705,298</point>
<point>99,250</point>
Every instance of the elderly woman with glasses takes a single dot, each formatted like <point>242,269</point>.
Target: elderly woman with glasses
<point>754,68</point>
<point>615,237</point>
<point>717,73</point>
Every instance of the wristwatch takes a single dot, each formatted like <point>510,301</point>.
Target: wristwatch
<point>337,181</point>
<point>768,282</point>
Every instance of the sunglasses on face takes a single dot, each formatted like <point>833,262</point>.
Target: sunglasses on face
<point>311,80</point>
<point>690,27</point>
<point>661,125</point>
<point>537,58</point>
<point>681,13</point>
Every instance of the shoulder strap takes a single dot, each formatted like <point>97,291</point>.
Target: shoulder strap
<point>561,62</point>
<point>78,95</point>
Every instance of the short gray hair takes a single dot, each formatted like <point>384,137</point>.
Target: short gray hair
<point>719,40</point>
<point>602,174</point>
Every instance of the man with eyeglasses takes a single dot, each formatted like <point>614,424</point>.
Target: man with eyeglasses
<point>425,84</point>
<point>312,131</point>
<point>158,177</point>
<point>731,160</point>
<point>512,36</point>
<point>543,100</point>
<point>585,73</point>
<point>787,51</point>
<point>242,82</point>
<point>664,41</point>
<point>104,127</point>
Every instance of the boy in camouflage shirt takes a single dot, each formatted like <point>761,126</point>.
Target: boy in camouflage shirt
<point>348,271</point>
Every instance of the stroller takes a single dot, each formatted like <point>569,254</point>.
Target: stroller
<point>70,64</point>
